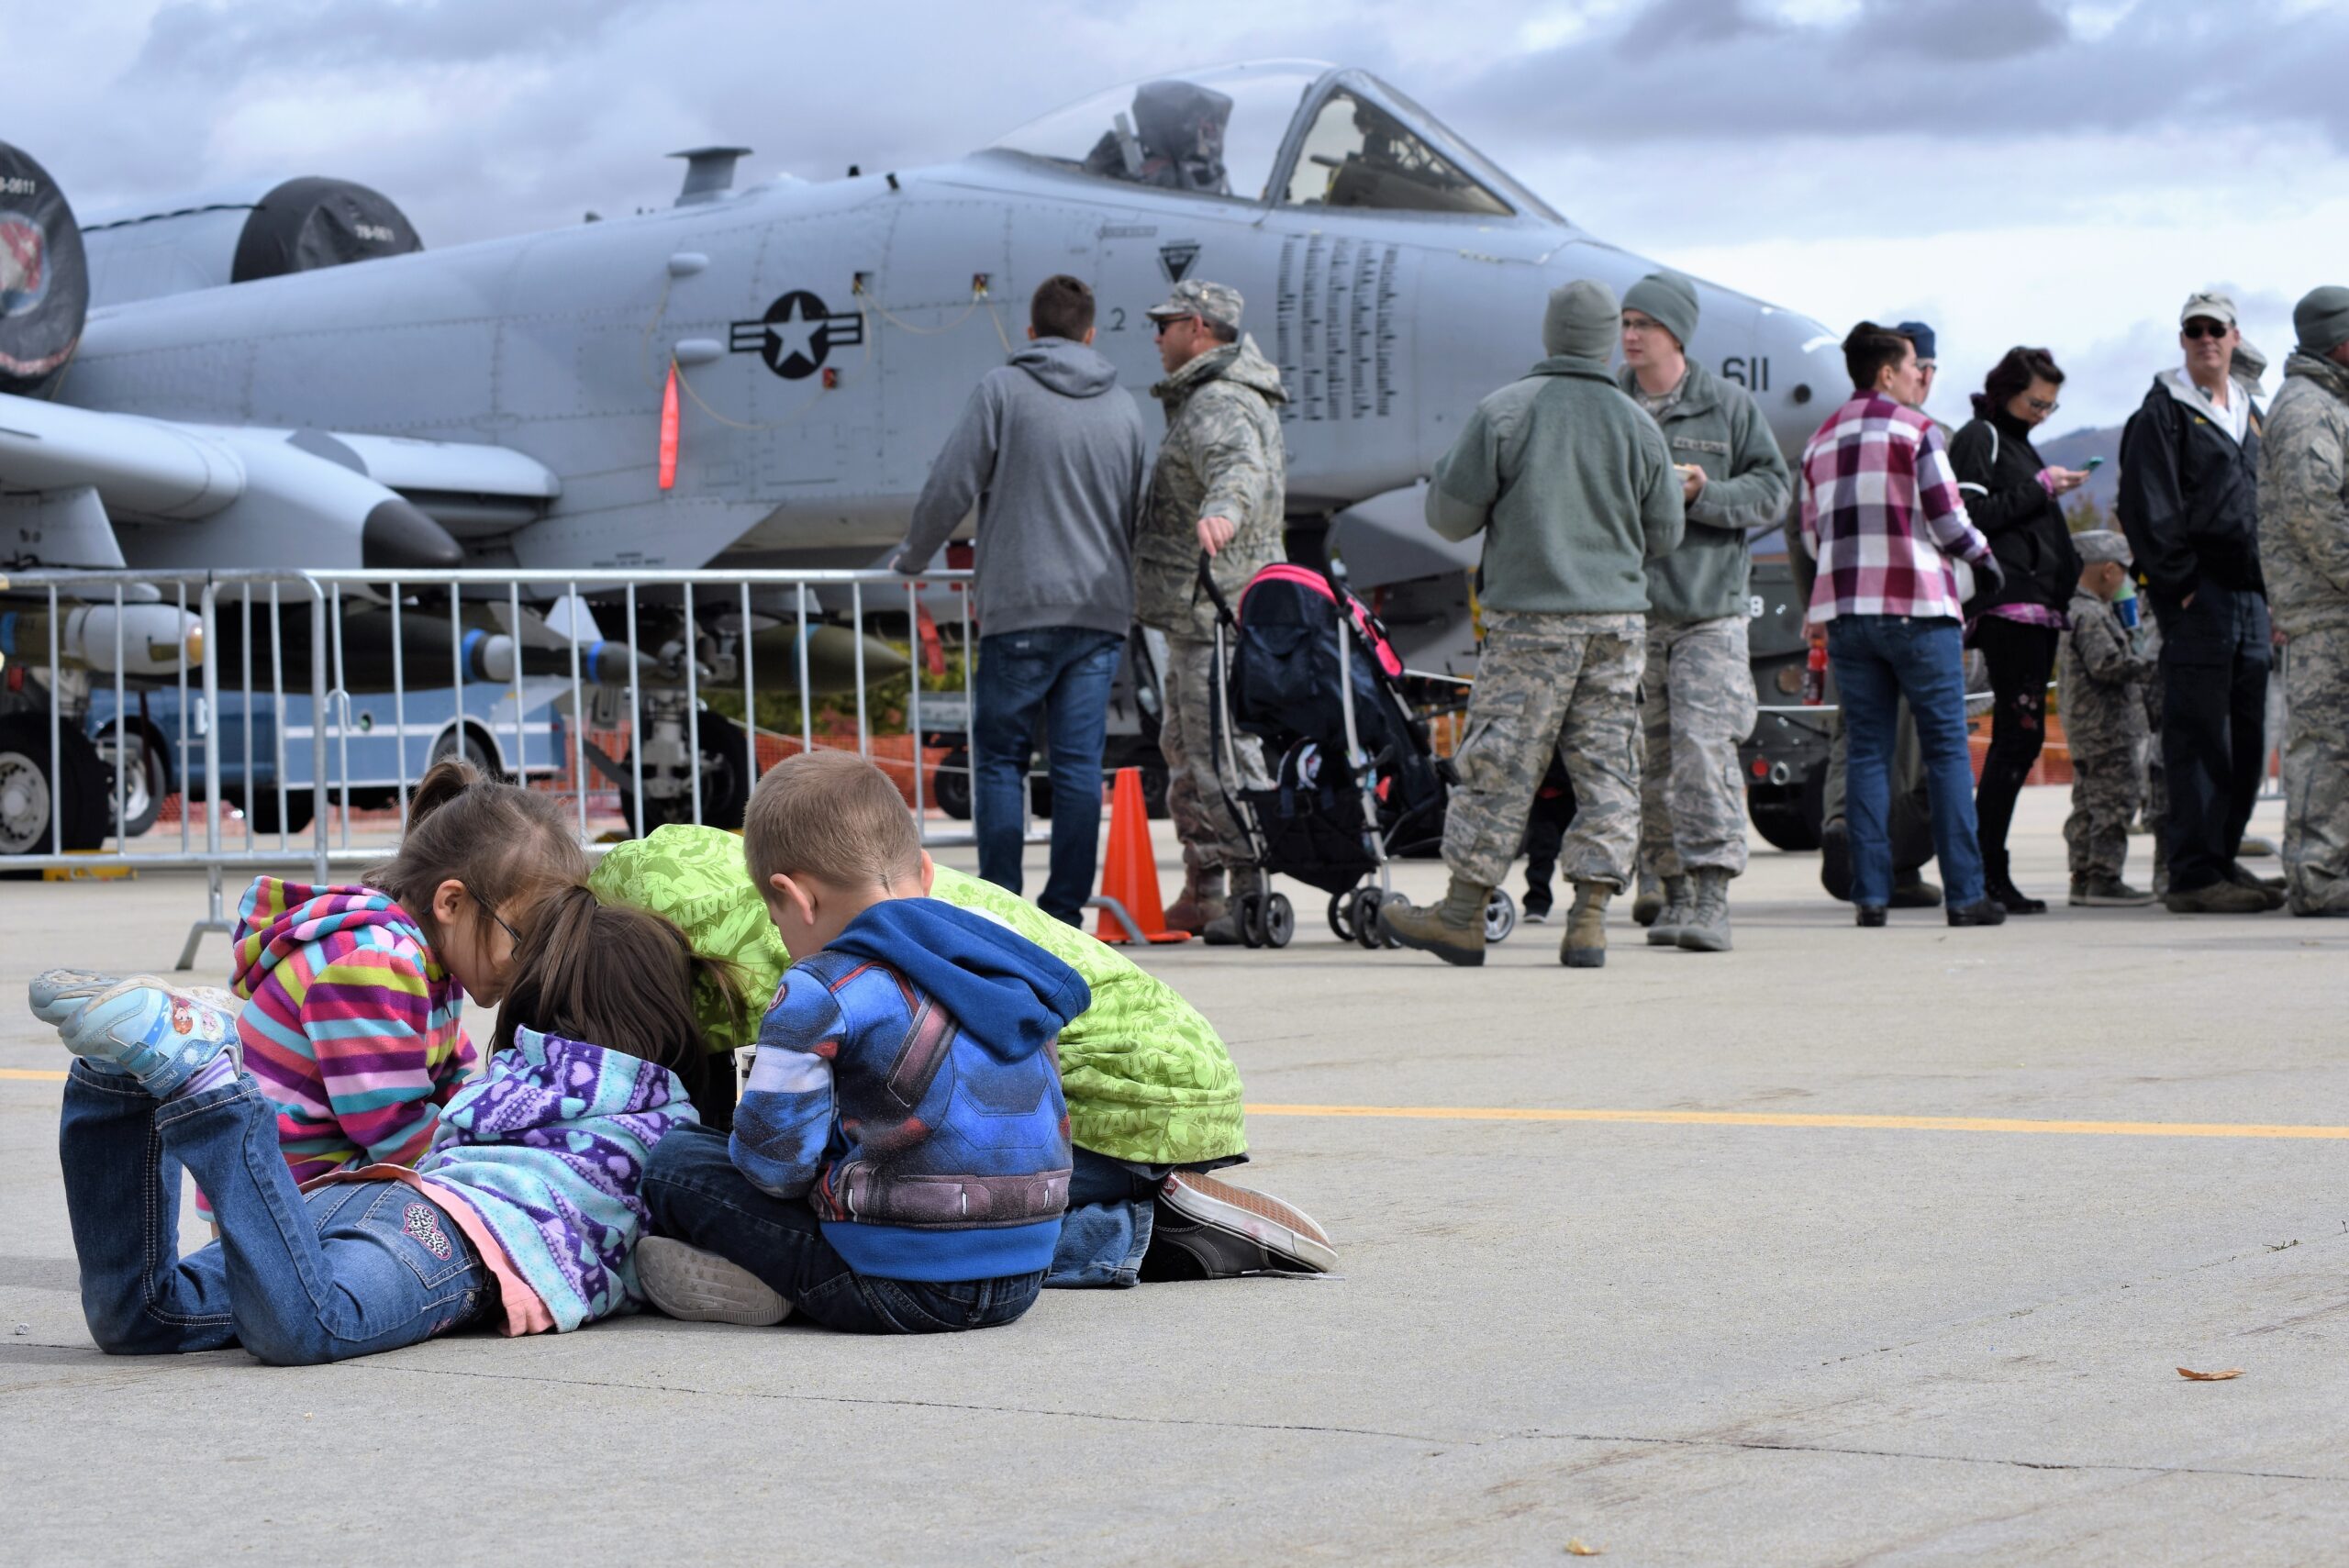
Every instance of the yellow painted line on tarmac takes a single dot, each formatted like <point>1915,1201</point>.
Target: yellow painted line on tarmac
<point>1729,1119</point>
<point>1779,1118</point>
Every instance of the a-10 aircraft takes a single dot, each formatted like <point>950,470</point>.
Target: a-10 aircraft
<point>287,379</point>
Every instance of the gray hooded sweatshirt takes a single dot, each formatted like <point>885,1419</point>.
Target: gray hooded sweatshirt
<point>1052,455</point>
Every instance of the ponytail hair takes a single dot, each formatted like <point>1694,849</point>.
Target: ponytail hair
<point>612,976</point>
<point>505,843</point>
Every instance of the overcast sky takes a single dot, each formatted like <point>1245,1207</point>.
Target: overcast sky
<point>2052,171</point>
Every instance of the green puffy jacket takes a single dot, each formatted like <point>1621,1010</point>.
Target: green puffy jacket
<point>1147,1078</point>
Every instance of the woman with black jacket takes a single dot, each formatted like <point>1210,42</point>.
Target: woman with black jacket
<point>2012,497</point>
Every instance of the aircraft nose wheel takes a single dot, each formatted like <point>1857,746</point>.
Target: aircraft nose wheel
<point>1500,916</point>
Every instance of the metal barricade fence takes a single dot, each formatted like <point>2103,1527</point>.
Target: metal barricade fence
<point>274,686</point>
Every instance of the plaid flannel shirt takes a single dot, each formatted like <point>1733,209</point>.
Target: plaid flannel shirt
<point>1882,515</point>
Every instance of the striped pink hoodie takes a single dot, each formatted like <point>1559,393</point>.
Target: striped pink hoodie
<point>353,1025</point>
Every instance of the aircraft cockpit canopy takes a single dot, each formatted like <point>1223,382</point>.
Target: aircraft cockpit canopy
<point>1296,132</point>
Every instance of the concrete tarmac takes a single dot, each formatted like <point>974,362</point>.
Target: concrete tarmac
<point>1784,1312</point>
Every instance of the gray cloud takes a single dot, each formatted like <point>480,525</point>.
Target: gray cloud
<point>1693,69</point>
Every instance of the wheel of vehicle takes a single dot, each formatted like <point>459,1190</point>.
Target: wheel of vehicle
<point>28,795</point>
<point>262,818</point>
<point>144,757</point>
<point>476,750</point>
<point>1341,914</point>
<point>1500,916</point>
<point>725,783</point>
<point>1366,903</point>
<point>1783,824</point>
<point>1248,911</point>
<point>951,783</point>
<point>1278,920</point>
<point>1154,791</point>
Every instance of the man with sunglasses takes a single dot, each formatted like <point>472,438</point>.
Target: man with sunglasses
<point>1220,488</point>
<point>2189,505</point>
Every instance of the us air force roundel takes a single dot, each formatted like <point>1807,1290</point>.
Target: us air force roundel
<point>796,335</point>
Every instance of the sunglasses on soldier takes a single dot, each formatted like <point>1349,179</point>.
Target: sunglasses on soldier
<point>1166,321</point>
<point>2203,326</point>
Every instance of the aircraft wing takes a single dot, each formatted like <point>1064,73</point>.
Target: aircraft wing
<point>77,486</point>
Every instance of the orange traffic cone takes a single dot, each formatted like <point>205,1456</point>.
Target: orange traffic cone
<point>1129,869</point>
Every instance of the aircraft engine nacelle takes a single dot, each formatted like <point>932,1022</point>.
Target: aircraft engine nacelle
<point>44,276</point>
<point>235,237</point>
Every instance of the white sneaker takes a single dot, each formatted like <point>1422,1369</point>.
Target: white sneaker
<point>702,1287</point>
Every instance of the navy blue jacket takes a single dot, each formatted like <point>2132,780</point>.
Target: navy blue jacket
<point>907,1085</point>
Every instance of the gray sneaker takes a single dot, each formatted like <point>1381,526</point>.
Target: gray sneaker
<point>702,1287</point>
<point>1223,1231</point>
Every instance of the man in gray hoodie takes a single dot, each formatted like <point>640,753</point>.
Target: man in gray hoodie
<point>1052,455</point>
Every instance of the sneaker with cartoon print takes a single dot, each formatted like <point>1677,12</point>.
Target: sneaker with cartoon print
<point>164,1036</point>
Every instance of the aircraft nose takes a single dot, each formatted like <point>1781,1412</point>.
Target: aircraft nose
<point>1805,379</point>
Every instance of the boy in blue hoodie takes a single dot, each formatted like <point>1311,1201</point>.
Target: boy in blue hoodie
<point>900,1161</point>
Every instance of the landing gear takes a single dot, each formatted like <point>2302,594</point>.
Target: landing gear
<point>668,795</point>
<point>30,793</point>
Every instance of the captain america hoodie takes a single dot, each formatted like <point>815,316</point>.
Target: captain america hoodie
<point>906,1087</point>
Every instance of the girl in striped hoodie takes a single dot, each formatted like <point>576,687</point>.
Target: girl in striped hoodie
<point>525,1212</point>
<point>354,997</point>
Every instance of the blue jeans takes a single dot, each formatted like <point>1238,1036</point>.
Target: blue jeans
<point>1061,673</point>
<point>345,1270</point>
<point>1879,660</point>
<point>1112,1211</point>
<point>698,1196</point>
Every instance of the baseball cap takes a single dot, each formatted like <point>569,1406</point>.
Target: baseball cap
<point>2212,303</point>
<point>1217,303</point>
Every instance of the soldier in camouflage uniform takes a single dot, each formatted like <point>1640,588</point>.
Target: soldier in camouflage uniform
<point>1219,487</point>
<point>2304,540</point>
<point>1574,490</point>
<point>1699,689</point>
<point>2100,679</point>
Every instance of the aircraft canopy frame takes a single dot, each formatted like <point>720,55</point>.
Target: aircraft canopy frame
<point>1260,133</point>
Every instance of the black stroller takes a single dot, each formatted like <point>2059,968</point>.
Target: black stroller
<point>1353,781</point>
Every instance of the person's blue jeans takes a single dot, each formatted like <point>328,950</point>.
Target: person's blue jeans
<point>1112,1213</point>
<point>1061,673</point>
<point>345,1270</point>
<point>1879,660</point>
<point>697,1196</point>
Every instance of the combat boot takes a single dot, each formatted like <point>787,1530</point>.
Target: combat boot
<point>1454,930</point>
<point>1680,898</point>
<point>1652,901</point>
<point>1222,928</point>
<point>1201,900</point>
<point>1707,927</point>
<point>2108,893</point>
<point>1585,943</point>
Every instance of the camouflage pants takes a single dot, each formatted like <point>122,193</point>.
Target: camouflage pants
<point>1698,704</point>
<point>1211,835</point>
<point>2316,772</point>
<point>1567,684</point>
<point>2106,789</point>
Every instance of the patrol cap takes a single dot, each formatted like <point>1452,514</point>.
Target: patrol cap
<point>1216,303</point>
<point>2210,303</point>
<point>2250,364</point>
<point>2100,545</point>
